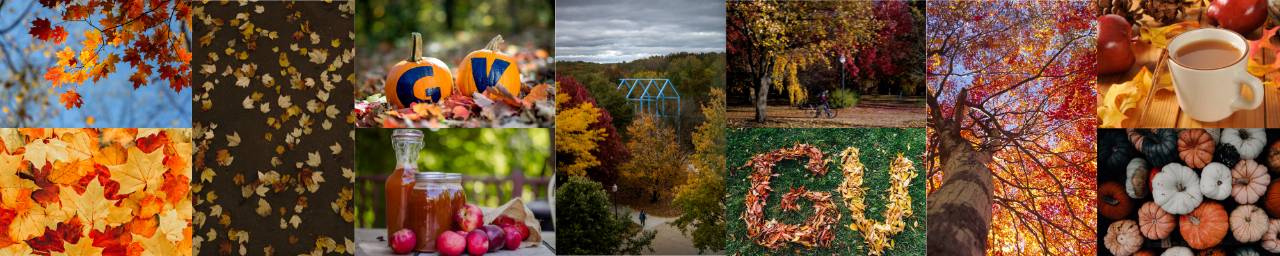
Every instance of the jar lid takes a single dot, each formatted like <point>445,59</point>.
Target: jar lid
<point>428,176</point>
<point>406,134</point>
<point>453,177</point>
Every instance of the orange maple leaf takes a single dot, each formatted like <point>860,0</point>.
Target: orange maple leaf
<point>71,99</point>
<point>55,75</point>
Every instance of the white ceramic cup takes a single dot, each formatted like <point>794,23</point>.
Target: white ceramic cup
<point>1210,95</point>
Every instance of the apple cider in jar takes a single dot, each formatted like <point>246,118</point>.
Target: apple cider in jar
<point>453,184</point>
<point>406,143</point>
<point>430,209</point>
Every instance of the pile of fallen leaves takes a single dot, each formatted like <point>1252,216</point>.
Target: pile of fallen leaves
<point>772,234</point>
<point>95,191</point>
<point>877,234</point>
<point>495,107</point>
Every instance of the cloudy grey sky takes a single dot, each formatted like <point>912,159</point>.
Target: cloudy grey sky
<point>618,30</point>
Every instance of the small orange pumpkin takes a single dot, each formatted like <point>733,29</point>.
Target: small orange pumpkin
<point>1205,226</point>
<point>418,79</point>
<point>1195,147</point>
<point>1154,222</point>
<point>1271,199</point>
<point>486,68</point>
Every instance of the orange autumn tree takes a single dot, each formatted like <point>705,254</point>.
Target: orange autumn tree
<point>150,36</point>
<point>1011,131</point>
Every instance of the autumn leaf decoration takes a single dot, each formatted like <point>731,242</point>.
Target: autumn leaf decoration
<point>878,235</point>
<point>95,192</point>
<point>135,32</point>
<point>816,230</point>
<point>1123,98</point>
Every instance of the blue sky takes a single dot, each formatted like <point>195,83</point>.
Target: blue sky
<point>112,101</point>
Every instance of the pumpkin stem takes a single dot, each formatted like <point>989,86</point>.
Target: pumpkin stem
<point>1194,220</point>
<point>1110,200</point>
<point>417,47</point>
<point>493,43</point>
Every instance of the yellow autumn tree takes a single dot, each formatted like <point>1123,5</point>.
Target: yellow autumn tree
<point>657,163</point>
<point>700,198</point>
<point>574,136</point>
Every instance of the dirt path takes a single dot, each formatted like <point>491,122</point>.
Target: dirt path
<point>669,240</point>
<point>792,117</point>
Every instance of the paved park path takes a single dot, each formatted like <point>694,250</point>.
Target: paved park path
<point>669,240</point>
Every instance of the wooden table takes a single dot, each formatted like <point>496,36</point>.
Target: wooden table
<point>367,243</point>
<point>1160,109</point>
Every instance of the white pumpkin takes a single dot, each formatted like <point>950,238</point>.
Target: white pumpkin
<point>1176,189</point>
<point>1248,223</point>
<point>1249,181</point>
<point>1215,181</point>
<point>1216,133</point>
<point>1178,251</point>
<point>1271,240</point>
<point>1249,142</point>
<point>1136,179</point>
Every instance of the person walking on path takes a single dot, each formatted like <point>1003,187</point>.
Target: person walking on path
<point>822,105</point>
<point>642,218</point>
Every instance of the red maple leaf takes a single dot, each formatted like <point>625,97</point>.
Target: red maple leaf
<point>40,29</point>
<point>152,142</point>
<point>71,99</point>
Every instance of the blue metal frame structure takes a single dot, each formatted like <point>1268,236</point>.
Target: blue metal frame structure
<point>653,96</point>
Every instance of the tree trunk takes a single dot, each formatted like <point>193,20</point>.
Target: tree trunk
<point>960,210</point>
<point>762,98</point>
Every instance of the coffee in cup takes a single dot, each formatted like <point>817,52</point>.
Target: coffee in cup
<point>1208,66</point>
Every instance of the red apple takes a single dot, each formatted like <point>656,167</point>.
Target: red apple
<point>503,220</point>
<point>1115,54</point>
<point>497,237</point>
<point>451,243</point>
<point>1241,16</point>
<point>468,218</point>
<point>477,242</point>
<point>513,237</point>
<point>403,241</point>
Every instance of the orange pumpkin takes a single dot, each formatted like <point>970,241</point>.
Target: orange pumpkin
<point>1205,226</point>
<point>1271,199</point>
<point>1195,147</point>
<point>1154,222</point>
<point>1212,252</point>
<point>1113,203</point>
<point>487,68</point>
<point>418,79</point>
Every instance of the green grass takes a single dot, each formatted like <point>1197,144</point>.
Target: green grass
<point>878,147</point>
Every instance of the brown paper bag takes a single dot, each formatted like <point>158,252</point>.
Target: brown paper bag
<point>517,210</point>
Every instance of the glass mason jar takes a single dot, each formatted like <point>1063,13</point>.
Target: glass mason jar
<point>430,208</point>
<point>406,143</point>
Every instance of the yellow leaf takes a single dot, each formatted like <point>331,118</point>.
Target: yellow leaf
<point>41,152</point>
<point>70,174</point>
<point>90,206</point>
<point>172,225</point>
<point>1258,69</point>
<point>1120,98</point>
<point>159,245</point>
<point>82,247</point>
<point>263,208</point>
<point>1160,37</point>
<point>141,171</point>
